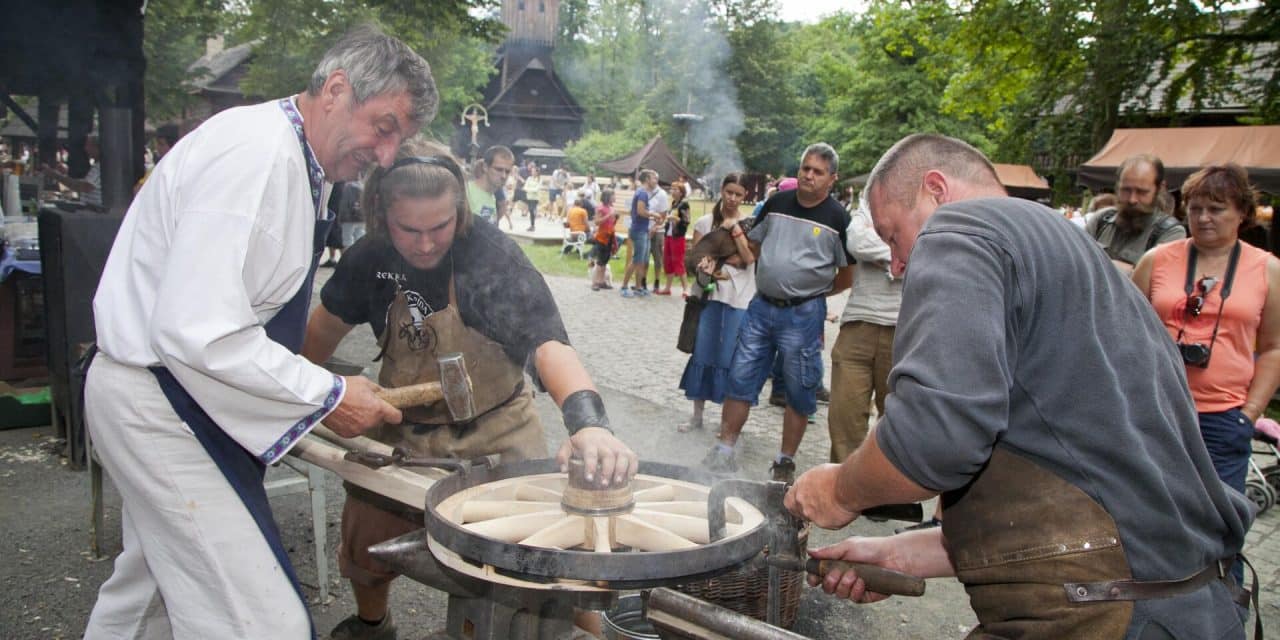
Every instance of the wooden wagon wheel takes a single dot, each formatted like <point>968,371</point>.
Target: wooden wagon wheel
<point>546,525</point>
<point>668,515</point>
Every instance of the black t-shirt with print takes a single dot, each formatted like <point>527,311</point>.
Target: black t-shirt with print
<point>500,294</point>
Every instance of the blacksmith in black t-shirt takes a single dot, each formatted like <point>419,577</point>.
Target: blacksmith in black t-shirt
<point>432,281</point>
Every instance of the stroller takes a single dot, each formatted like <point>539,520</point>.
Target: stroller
<point>1263,483</point>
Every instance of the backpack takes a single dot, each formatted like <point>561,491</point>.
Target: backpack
<point>1158,228</point>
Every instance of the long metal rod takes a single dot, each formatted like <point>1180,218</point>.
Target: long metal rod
<point>673,611</point>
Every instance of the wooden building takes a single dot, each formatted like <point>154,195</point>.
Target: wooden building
<point>529,108</point>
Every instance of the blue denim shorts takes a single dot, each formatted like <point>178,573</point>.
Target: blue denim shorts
<point>795,334</point>
<point>639,247</point>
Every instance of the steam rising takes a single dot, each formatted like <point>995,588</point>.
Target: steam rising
<point>682,69</point>
<point>698,57</point>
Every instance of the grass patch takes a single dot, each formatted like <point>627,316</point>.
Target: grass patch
<point>547,259</point>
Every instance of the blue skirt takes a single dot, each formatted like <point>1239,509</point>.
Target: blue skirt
<point>706,376</point>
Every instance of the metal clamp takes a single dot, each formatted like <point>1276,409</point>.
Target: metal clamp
<point>401,457</point>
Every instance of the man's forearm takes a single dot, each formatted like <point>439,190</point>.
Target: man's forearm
<point>561,371</point>
<point>867,479</point>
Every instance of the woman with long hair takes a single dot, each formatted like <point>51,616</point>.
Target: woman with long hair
<point>706,374</point>
<point>674,244</point>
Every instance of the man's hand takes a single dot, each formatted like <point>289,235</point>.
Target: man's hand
<point>813,498</point>
<point>596,446</point>
<point>847,584</point>
<point>361,409</point>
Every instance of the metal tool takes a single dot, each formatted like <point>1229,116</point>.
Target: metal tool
<point>688,617</point>
<point>454,388</point>
<point>786,549</point>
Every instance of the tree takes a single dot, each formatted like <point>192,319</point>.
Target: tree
<point>174,33</point>
<point>291,35</point>
<point>876,78</point>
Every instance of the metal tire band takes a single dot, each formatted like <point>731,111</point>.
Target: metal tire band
<point>583,409</point>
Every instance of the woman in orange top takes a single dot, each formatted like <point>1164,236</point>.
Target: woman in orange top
<point>1220,300</point>
<point>604,237</point>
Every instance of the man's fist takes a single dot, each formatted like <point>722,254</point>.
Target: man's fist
<point>361,409</point>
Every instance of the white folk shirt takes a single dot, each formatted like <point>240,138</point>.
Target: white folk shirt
<point>218,239</point>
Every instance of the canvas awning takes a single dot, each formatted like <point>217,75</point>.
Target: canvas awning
<point>1185,150</point>
<point>1021,181</point>
<point>654,155</point>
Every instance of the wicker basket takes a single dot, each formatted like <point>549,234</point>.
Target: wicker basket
<point>746,590</point>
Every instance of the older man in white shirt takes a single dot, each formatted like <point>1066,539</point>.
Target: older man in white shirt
<point>200,313</point>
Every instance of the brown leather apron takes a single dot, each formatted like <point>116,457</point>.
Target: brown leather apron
<point>1016,535</point>
<point>506,423</point>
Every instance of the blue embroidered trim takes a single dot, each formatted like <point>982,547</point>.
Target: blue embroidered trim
<point>314,171</point>
<point>305,425</point>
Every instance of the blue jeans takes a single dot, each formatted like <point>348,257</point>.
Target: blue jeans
<point>794,334</point>
<point>1228,435</point>
<point>639,247</point>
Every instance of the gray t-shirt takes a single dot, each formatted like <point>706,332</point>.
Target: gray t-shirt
<point>1015,329</point>
<point>800,247</point>
<point>1129,246</point>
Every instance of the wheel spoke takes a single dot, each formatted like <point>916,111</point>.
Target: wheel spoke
<point>689,527</point>
<point>600,535</point>
<point>659,493</point>
<point>565,533</point>
<point>517,527</point>
<point>643,536</point>
<point>681,507</point>
<point>477,510</point>
<point>535,493</point>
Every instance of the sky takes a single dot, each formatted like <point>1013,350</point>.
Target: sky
<point>813,10</point>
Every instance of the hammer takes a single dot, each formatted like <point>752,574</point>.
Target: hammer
<point>454,388</point>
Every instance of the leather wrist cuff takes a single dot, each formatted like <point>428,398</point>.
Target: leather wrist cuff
<point>584,409</point>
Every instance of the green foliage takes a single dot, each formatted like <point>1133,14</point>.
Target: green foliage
<point>173,39</point>
<point>877,78</point>
<point>291,35</point>
<point>591,149</point>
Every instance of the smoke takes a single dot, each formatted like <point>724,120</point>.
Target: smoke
<point>697,55</point>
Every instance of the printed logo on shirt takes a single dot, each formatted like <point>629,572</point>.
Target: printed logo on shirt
<point>415,332</point>
<point>387,275</point>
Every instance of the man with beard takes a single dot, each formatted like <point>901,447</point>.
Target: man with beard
<point>1136,224</point>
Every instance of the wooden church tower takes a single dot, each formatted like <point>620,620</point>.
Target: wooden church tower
<point>529,108</point>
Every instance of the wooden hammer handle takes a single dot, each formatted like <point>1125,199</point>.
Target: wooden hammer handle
<point>414,395</point>
<point>878,579</point>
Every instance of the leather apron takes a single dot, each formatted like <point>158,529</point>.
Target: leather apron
<point>505,423</point>
<point>244,470</point>
<point>1016,534</point>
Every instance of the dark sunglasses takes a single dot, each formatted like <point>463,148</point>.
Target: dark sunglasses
<point>1195,301</point>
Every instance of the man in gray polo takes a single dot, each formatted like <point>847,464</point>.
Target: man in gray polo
<point>799,240</point>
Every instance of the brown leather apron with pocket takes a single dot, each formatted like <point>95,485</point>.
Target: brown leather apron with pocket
<point>506,423</point>
<point>1016,535</point>
<point>1039,558</point>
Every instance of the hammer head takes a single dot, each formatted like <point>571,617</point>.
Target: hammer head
<point>455,386</point>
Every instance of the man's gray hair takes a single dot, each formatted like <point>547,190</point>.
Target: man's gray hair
<point>377,64</point>
<point>901,169</point>
<point>646,173</point>
<point>824,151</point>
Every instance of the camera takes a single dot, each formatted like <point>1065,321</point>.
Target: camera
<point>1196,355</point>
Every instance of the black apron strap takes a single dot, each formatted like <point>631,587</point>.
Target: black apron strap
<point>243,469</point>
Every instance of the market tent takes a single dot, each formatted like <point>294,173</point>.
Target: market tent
<point>1021,181</point>
<point>654,155</point>
<point>1184,151</point>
